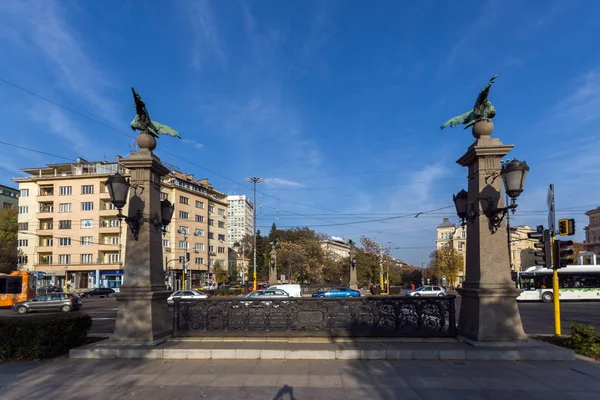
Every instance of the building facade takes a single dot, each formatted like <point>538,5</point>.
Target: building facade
<point>521,248</point>
<point>68,227</point>
<point>240,218</point>
<point>592,231</point>
<point>9,197</point>
<point>335,248</point>
<point>449,235</point>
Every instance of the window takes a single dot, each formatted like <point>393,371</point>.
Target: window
<point>211,249</point>
<point>87,258</point>
<point>113,258</point>
<point>109,206</point>
<point>463,234</point>
<point>113,240</point>
<point>87,206</point>
<point>199,204</point>
<point>199,218</point>
<point>64,224</point>
<point>64,207</point>
<point>111,223</point>
<point>221,211</point>
<point>23,209</point>
<point>211,209</point>
<point>23,226</point>
<point>164,196</point>
<point>22,260</point>
<point>211,222</point>
<point>65,190</point>
<point>24,193</point>
<point>62,242</point>
<point>86,240</point>
<point>221,224</point>
<point>221,249</point>
<point>199,232</point>
<point>87,223</point>
<point>211,262</point>
<point>22,242</point>
<point>184,245</point>
<point>592,220</point>
<point>184,229</point>
<point>64,258</point>
<point>165,243</point>
<point>460,245</point>
<point>199,246</point>
<point>184,215</point>
<point>183,200</point>
<point>199,260</point>
<point>87,189</point>
<point>221,237</point>
<point>211,235</point>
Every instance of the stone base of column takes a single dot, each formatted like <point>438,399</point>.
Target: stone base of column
<point>490,314</point>
<point>143,317</point>
<point>273,277</point>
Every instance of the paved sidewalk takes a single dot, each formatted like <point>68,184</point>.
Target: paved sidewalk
<point>64,378</point>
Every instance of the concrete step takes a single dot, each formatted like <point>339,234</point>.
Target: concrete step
<point>208,348</point>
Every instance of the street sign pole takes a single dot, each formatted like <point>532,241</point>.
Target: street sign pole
<point>555,285</point>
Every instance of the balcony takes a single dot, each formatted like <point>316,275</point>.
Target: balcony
<point>105,212</point>
<point>45,194</point>
<point>109,247</point>
<point>106,226</point>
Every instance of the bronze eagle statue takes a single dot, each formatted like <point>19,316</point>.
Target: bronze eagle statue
<point>143,123</point>
<point>483,110</point>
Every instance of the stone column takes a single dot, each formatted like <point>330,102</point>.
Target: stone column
<point>488,309</point>
<point>273,268</point>
<point>143,316</point>
<point>353,276</point>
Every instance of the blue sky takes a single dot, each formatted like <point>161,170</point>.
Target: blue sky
<point>337,104</point>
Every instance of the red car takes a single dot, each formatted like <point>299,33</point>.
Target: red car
<point>259,286</point>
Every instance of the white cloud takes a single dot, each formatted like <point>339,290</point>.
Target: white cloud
<point>193,143</point>
<point>583,105</point>
<point>206,36</point>
<point>281,182</point>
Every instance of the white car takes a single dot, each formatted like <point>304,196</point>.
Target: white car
<point>427,291</point>
<point>186,295</point>
<point>268,294</point>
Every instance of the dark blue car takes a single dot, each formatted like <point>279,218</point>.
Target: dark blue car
<point>337,292</point>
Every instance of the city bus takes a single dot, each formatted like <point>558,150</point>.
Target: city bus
<point>576,282</point>
<point>16,286</point>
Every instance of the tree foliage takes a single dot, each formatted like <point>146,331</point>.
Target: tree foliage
<point>9,228</point>
<point>445,261</point>
<point>221,273</point>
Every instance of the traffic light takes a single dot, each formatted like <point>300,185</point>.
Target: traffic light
<point>562,251</point>
<point>544,246</point>
<point>566,227</point>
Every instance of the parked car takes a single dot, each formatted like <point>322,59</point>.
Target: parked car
<point>268,294</point>
<point>292,289</point>
<point>186,295</point>
<point>337,292</point>
<point>108,292</point>
<point>54,289</point>
<point>259,286</point>
<point>50,302</point>
<point>427,291</point>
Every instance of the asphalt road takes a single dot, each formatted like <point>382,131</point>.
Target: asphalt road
<point>538,318</point>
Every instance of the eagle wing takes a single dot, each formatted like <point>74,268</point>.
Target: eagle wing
<point>165,130</point>
<point>482,99</point>
<point>459,119</point>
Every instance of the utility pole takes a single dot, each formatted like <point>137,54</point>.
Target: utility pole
<point>381,283</point>
<point>254,180</point>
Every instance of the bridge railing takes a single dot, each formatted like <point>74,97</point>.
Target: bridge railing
<point>389,316</point>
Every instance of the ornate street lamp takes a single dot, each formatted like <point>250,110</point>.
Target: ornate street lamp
<point>118,188</point>
<point>513,174</point>
<point>460,202</point>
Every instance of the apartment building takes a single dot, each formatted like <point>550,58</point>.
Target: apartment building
<point>67,225</point>
<point>335,248</point>
<point>9,197</point>
<point>521,248</point>
<point>449,234</point>
<point>198,227</point>
<point>592,231</point>
<point>240,217</point>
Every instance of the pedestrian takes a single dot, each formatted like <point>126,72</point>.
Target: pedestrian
<point>412,286</point>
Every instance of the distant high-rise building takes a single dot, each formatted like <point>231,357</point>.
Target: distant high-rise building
<point>239,218</point>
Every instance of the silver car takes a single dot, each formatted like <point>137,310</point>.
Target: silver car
<point>186,295</point>
<point>427,291</point>
<point>268,294</point>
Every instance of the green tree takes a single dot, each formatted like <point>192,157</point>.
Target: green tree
<point>221,273</point>
<point>9,228</point>
<point>445,261</point>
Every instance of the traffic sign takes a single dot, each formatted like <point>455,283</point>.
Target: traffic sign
<point>551,213</point>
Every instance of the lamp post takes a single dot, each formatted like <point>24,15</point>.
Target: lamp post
<point>254,180</point>
<point>488,309</point>
<point>143,315</point>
